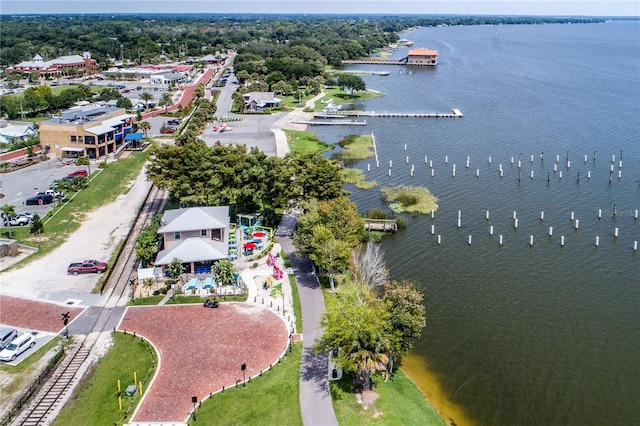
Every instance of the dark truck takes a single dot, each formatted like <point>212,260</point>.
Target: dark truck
<point>86,267</point>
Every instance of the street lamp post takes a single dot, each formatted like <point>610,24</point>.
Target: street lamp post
<point>194,399</point>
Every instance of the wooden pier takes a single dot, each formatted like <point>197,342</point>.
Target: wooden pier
<point>375,61</point>
<point>332,122</point>
<point>383,225</point>
<point>456,113</point>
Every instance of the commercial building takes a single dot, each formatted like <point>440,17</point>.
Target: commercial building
<point>58,67</point>
<point>93,130</point>
<point>422,57</point>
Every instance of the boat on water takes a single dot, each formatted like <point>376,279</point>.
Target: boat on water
<point>380,73</point>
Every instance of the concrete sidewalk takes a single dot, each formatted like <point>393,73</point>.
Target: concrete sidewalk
<point>315,398</point>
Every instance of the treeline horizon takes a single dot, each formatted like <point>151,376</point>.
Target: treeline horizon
<point>146,37</point>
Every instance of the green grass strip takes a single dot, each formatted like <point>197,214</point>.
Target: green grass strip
<point>95,402</point>
<point>400,402</point>
<point>356,147</point>
<point>413,199</point>
<point>356,177</point>
<point>273,399</point>
<point>302,141</point>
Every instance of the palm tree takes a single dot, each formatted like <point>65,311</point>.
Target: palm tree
<point>146,97</point>
<point>165,101</point>
<point>223,271</point>
<point>145,126</point>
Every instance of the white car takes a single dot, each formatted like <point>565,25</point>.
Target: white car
<point>17,347</point>
<point>15,220</point>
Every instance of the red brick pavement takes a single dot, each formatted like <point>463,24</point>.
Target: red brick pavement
<point>19,153</point>
<point>201,350</point>
<point>34,315</point>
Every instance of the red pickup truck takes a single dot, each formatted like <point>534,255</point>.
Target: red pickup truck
<point>86,267</point>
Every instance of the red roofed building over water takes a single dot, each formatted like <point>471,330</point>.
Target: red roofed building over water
<point>422,57</point>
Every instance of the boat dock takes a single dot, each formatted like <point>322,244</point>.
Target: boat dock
<point>382,225</point>
<point>332,122</point>
<point>456,113</point>
<point>376,61</point>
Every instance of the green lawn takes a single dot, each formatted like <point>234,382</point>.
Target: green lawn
<point>272,399</point>
<point>338,95</point>
<point>104,187</point>
<point>95,402</point>
<point>400,403</point>
<point>300,141</point>
<point>151,300</point>
<point>180,299</point>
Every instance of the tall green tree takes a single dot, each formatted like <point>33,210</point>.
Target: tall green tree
<point>351,83</point>
<point>146,97</point>
<point>223,271</point>
<point>340,216</point>
<point>404,304</point>
<point>356,323</point>
<point>328,252</point>
<point>166,101</point>
<point>176,269</point>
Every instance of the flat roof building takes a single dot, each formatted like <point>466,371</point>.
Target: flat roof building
<point>93,130</point>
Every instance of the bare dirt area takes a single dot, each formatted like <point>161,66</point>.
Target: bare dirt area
<point>46,278</point>
<point>202,350</point>
<point>34,315</point>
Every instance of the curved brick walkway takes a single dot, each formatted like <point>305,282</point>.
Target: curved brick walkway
<point>201,350</point>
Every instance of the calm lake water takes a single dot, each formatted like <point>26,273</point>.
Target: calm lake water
<point>519,334</point>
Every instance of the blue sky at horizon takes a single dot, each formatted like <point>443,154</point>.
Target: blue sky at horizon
<point>468,7</point>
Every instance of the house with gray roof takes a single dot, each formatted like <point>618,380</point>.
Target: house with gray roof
<point>168,78</point>
<point>198,236</point>
<point>258,101</point>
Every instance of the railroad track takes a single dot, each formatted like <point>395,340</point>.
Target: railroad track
<point>52,395</point>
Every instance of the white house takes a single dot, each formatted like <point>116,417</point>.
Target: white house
<point>198,236</point>
<point>168,78</point>
<point>16,132</point>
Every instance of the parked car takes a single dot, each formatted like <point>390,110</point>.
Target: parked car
<point>169,129</point>
<point>81,172</point>
<point>87,266</point>
<point>17,347</point>
<point>15,220</point>
<point>39,200</point>
<point>174,122</point>
<point>28,215</point>
<point>125,91</point>
<point>138,87</point>
<point>6,336</point>
<point>53,193</point>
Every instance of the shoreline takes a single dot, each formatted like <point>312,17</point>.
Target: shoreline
<point>415,367</point>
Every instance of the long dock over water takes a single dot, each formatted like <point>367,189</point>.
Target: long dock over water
<point>456,113</point>
<point>332,122</point>
<point>375,61</point>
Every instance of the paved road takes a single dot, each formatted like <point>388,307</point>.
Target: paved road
<point>315,398</point>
